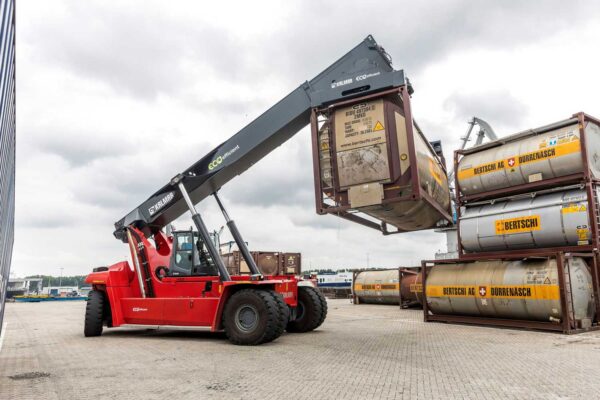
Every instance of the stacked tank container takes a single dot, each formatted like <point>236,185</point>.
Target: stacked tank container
<point>527,215</point>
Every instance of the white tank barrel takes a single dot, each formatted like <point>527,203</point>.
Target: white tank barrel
<point>547,220</point>
<point>525,290</point>
<point>377,286</point>
<point>536,155</point>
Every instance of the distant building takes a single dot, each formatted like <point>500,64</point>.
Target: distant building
<point>7,143</point>
<point>60,290</point>
<point>23,287</point>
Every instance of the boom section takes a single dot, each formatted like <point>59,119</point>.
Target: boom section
<point>365,69</point>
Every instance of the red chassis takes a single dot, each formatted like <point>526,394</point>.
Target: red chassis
<point>197,301</point>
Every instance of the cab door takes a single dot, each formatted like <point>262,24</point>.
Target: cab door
<point>192,288</point>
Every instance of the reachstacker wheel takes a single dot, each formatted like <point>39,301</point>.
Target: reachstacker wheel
<point>94,313</point>
<point>311,312</point>
<point>254,316</point>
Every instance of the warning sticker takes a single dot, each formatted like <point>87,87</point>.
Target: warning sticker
<point>582,233</point>
<point>359,125</point>
<point>573,208</point>
<point>518,225</point>
<point>511,163</point>
<point>541,292</point>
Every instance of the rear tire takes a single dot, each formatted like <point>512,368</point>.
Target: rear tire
<point>94,313</point>
<point>311,310</point>
<point>253,317</point>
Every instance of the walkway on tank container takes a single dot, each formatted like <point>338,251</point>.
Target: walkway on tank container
<point>361,352</point>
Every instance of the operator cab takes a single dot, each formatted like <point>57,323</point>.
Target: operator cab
<point>190,256</point>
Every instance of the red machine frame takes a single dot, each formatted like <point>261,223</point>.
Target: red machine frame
<point>187,301</point>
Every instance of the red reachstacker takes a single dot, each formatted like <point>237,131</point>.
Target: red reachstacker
<point>178,280</point>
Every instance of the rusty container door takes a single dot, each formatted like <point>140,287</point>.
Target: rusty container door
<point>267,262</point>
<point>290,263</point>
<point>411,289</point>
<point>232,262</point>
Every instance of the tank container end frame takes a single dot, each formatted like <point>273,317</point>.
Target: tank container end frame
<point>567,324</point>
<point>418,193</point>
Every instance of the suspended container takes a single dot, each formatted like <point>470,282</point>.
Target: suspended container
<point>374,166</point>
<point>553,291</point>
<point>555,154</point>
<point>559,218</point>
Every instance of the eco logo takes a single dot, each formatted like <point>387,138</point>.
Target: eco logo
<point>219,160</point>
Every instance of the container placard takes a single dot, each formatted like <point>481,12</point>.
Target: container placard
<point>359,125</point>
<point>518,225</point>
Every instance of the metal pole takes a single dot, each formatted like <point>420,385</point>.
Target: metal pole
<point>136,263</point>
<point>237,236</point>
<point>203,231</point>
<point>60,279</point>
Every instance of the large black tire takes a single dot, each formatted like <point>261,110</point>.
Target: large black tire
<point>311,310</point>
<point>94,313</point>
<point>253,316</point>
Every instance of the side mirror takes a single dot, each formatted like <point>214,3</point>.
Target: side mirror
<point>161,272</point>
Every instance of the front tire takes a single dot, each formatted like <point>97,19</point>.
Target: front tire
<point>253,317</point>
<point>94,313</point>
<point>311,310</point>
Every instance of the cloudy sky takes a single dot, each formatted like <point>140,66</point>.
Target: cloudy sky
<point>114,98</point>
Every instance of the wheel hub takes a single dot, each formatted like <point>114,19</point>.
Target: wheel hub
<point>246,318</point>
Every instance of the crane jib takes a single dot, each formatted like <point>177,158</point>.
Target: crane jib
<point>365,69</point>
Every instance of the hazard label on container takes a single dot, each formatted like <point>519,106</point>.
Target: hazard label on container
<point>359,125</point>
<point>582,233</point>
<point>518,225</point>
<point>573,208</point>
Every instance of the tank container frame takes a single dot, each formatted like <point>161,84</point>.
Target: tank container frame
<point>567,323</point>
<point>342,207</point>
<point>584,178</point>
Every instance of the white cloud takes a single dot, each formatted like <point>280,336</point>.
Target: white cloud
<point>113,99</point>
